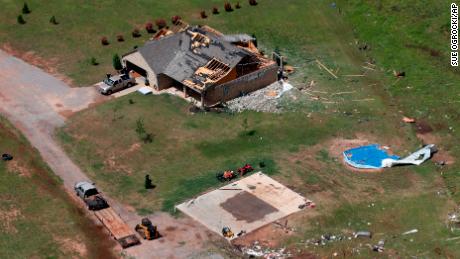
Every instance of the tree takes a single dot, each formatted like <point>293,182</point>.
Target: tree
<point>252,2</point>
<point>203,15</point>
<point>149,27</point>
<point>175,19</point>
<point>53,20</point>
<point>25,9</point>
<point>116,62</point>
<point>148,182</point>
<point>228,7</point>
<point>254,39</point>
<point>21,19</point>
<point>93,61</point>
<point>104,41</point>
<point>160,23</point>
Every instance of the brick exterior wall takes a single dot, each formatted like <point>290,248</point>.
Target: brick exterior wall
<point>242,85</point>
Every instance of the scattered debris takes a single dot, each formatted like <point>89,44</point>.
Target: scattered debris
<point>453,220</point>
<point>412,231</point>
<point>327,69</point>
<point>408,120</point>
<point>263,100</point>
<point>258,251</point>
<point>288,69</point>
<point>7,157</point>
<point>307,204</point>
<point>367,234</point>
<point>399,74</point>
<point>379,246</point>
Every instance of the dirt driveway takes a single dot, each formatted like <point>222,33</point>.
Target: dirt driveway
<point>37,103</point>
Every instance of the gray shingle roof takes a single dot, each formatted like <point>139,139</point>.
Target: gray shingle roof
<point>173,56</point>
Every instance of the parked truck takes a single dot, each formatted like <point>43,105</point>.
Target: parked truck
<point>116,83</point>
<point>95,202</point>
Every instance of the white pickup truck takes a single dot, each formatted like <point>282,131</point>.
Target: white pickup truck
<point>116,83</point>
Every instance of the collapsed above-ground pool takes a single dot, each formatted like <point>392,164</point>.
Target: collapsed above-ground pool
<point>375,156</point>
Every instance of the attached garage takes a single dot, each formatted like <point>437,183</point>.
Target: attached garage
<point>130,66</point>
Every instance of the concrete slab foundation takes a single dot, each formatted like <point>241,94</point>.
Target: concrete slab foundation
<point>244,205</point>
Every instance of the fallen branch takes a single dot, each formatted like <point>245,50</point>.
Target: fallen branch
<point>327,69</point>
<point>349,92</point>
<point>363,100</point>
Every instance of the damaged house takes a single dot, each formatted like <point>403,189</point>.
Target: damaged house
<point>204,64</point>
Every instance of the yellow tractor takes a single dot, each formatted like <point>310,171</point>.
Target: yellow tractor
<point>227,232</point>
<point>147,230</point>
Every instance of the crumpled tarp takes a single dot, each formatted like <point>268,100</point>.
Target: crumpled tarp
<point>374,157</point>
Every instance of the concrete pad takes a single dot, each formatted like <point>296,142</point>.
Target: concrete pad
<point>244,205</point>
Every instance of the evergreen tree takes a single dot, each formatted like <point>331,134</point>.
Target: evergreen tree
<point>25,9</point>
<point>21,19</point>
<point>148,182</point>
<point>116,62</point>
<point>53,20</point>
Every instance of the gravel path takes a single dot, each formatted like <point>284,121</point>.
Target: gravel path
<point>37,103</point>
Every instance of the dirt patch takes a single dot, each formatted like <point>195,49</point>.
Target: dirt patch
<point>338,145</point>
<point>48,65</point>
<point>432,52</point>
<point>246,206</point>
<point>112,164</point>
<point>7,218</point>
<point>422,127</point>
<point>16,166</point>
<point>72,246</point>
<point>134,147</point>
<point>66,113</point>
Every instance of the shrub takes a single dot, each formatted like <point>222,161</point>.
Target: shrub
<point>215,10</point>
<point>149,27</point>
<point>160,23</point>
<point>93,61</point>
<point>104,41</point>
<point>228,7</point>
<point>116,62</point>
<point>254,39</point>
<point>53,20</point>
<point>136,33</point>
<point>142,133</point>
<point>203,15</point>
<point>253,2</point>
<point>120,38</point>
<point>237,6</point>
<point>25,9</point>
<point>175,19</point>
<point>21,20</point>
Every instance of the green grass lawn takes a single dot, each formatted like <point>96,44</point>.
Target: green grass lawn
<point>188,149</point>
<point>38,219</point>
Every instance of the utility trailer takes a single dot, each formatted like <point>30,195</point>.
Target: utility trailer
<point>117,228</point>
<point>95,202</point>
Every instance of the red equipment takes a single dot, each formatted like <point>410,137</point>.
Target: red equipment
<point>245,169</point>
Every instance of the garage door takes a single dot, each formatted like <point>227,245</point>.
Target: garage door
<point>130,66</point>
